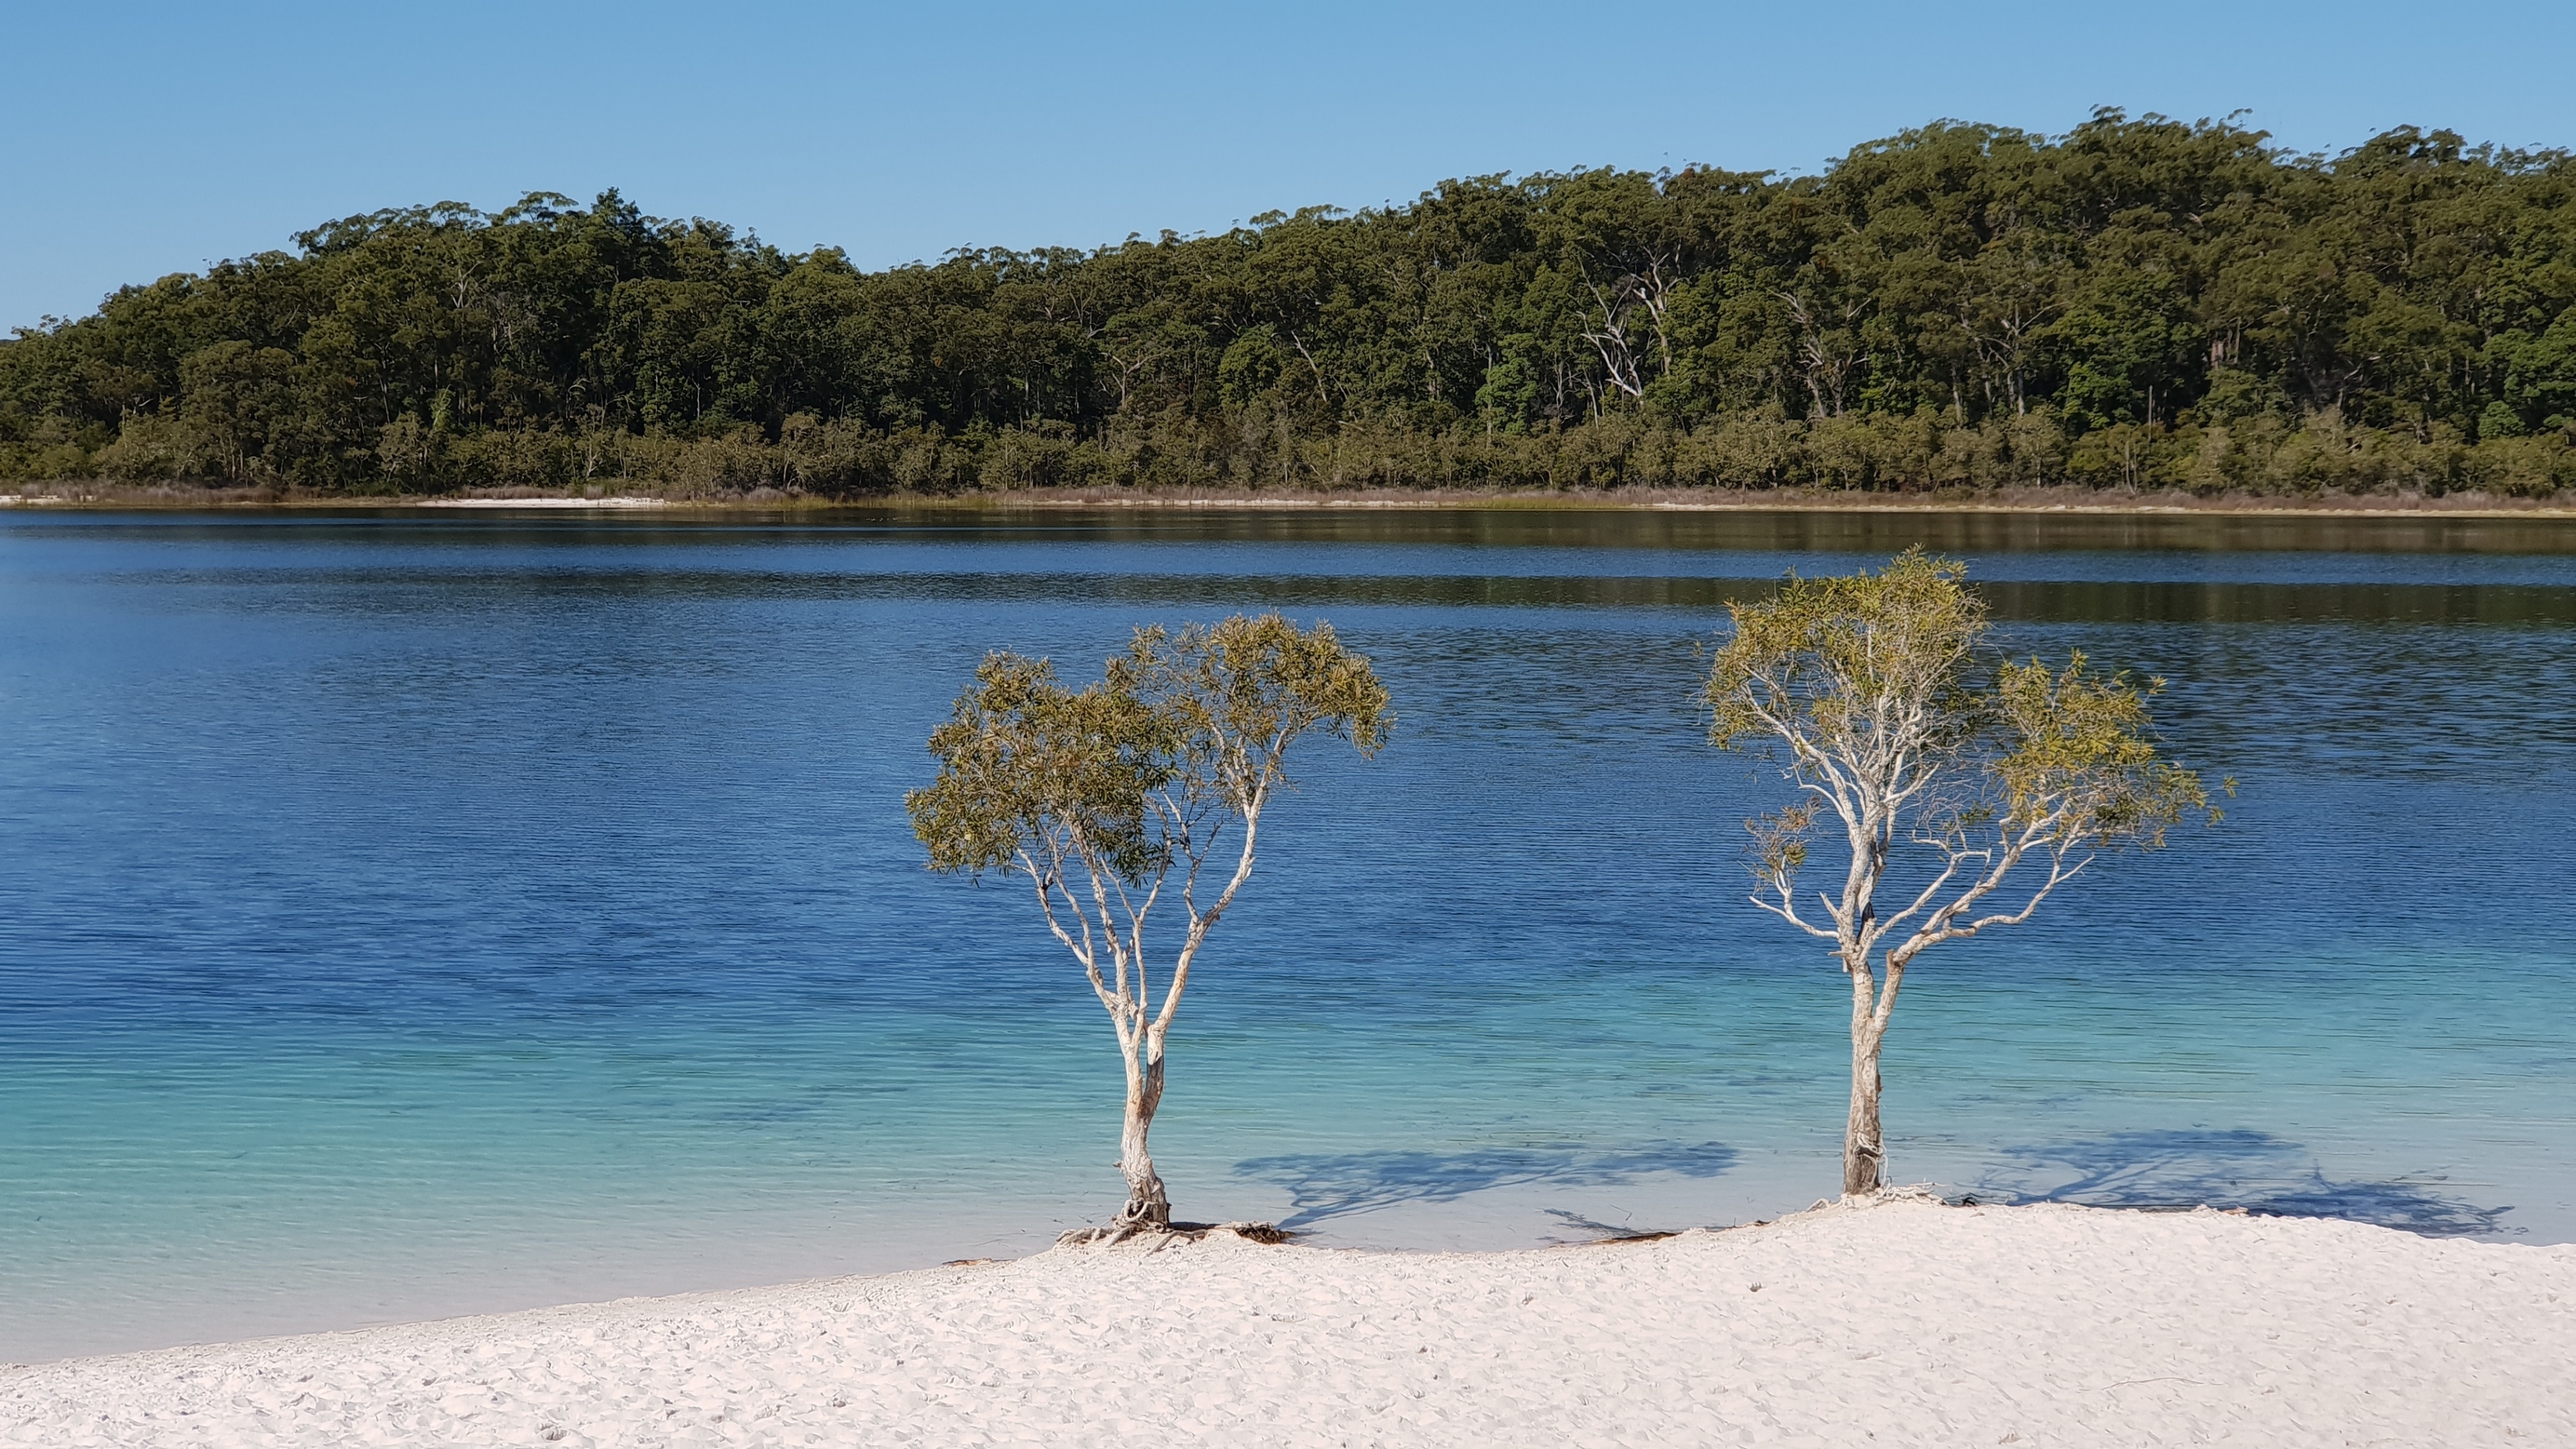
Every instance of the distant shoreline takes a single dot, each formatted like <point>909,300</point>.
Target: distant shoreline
<point>79,498</point>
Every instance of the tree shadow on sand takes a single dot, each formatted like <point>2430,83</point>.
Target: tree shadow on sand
<point>2253,1171</point>
<point>1326,1185</point>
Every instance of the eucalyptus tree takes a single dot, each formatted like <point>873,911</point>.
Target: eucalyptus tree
<point>1144,789</point>
<point>1985,784</point>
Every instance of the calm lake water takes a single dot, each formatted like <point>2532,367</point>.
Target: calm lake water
<point>411,916</point>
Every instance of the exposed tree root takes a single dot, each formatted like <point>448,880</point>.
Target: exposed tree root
<point>1163,1236</point>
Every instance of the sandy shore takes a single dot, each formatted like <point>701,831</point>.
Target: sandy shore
<point>1909,1323</point>
<point>619,501</point>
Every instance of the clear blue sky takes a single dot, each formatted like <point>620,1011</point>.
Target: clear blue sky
<point>146,138</point>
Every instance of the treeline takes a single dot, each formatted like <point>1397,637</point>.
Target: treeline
<point>2135,304</point>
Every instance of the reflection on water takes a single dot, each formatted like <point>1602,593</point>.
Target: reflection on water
<point>416,917</point>
<point>1802,531</point>
<point>413,590</point>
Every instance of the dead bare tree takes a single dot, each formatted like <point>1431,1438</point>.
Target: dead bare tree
<point>1645,291</point>
<point>1827,351</point>
<point>2011,291</point>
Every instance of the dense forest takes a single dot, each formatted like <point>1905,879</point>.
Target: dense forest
<point>2141,304</point>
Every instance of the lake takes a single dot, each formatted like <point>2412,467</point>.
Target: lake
<point>414,915</point>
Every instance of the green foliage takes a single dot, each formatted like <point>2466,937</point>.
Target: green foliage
<point>1025,763</point>
<point>1183,734</point>
<point>1878,688</point>
<point>2136,303</point>
<point>1233,697</point>
<point>2078,742</point>
<point>1845,662</point>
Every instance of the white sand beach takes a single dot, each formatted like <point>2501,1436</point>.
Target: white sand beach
<point>1905,1323</point>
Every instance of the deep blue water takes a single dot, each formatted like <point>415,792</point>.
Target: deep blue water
<point>409,916</point>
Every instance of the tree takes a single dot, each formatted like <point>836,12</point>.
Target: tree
<point>1888,713</point>
<point>1102,798</point>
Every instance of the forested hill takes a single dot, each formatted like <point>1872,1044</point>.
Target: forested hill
<point>2137,303</point>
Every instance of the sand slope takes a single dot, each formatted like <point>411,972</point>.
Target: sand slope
<point>1903,1324</point>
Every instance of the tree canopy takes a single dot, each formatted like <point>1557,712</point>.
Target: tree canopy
<point>2137,302</point>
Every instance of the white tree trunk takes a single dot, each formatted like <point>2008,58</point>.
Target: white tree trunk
<point>1147,1206</point>
<point>1864,1150</point>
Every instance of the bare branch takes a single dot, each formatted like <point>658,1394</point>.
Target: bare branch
<point>1788,912</point>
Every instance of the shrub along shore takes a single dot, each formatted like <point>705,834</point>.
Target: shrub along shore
<point>1861,458</point>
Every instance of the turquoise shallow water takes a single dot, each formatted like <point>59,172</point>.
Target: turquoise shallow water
<point>422,916</point>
